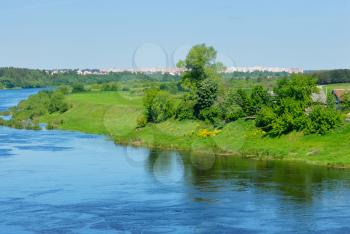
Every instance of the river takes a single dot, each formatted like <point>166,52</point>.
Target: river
<point>70,182</point>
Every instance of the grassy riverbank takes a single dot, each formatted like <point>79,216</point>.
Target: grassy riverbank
<point>115,114</point>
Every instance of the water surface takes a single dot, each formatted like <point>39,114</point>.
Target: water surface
<point>69,182</point>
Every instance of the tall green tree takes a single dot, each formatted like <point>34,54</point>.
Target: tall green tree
<point>201,76</point>
<point>199,65</point>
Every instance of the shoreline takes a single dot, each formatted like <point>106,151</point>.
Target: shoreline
<point>170,147</point>
<point>114,115</point>
<point>246,155</point>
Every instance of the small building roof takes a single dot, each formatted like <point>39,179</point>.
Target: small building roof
<point>339,93</point>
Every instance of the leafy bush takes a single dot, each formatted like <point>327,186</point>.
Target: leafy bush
<point>206,93</point>
<point>185,109</point>
<point>170,87</point>
<point>54,124</point>
<point>27,113</point>
<point>298,87</point>
<point>282,125</point>
<point>213,115</point>
<point>265,118</point>
<point>112,86</point>
<point>64,89</point>
<point>78,88</point>
<point>158,106</point>
<point>141,121</point>
<point>345,103</point>
<point>57,103</point>
<point>322,120</point>
<point>251,103</point>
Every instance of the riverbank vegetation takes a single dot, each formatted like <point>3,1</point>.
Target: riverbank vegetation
<point>26,115</point>
<point>201,111</point>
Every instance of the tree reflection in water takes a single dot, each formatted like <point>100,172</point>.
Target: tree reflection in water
<point>208,173</point>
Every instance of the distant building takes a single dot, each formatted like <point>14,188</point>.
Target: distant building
<point>170,70</point>
<point>264,69</point>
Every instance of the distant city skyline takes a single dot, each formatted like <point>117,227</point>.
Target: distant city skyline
<point>170,70</point>
<point>71,34</point>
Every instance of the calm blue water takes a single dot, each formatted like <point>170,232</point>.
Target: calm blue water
<point>68,182</point>
<point>9,98</point>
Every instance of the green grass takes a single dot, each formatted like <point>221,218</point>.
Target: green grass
<point>115,114</point>
<point>328,88</point>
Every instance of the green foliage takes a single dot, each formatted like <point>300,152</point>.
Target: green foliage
<point>78,88</point>
<point>141,121</point>
<point>293,110</point>
<point>322,120</point>
<point>54,124</point>
<point>252,102</point>
<point>185,109</point>
<point>111,86</point>
<point>331,102</point>
<point>30,78</point>
<point>25,78</point>
<point>158,105</point>
<point>298,87</point>
<point>27,113</point>
<point>345,102</point>
<point>213,115</point>
<point>199,64</point>
<point>282,125</point>
<point>332,76</point>
<point>265,117</point>
<point>170,87</point>
<point>206,95</point>
<point>57,103</point>
<point>201,78</point>
<point>64,89</point>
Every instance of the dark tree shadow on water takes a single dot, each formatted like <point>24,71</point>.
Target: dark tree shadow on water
<point>291,180</point>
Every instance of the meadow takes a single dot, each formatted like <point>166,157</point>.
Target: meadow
<point>115,114</point>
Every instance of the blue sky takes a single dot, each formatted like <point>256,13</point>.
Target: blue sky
<point>312,34</point>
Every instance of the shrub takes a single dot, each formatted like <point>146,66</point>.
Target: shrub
<point>158,106</point>
<point>57,103</point>
<point>282,125</point>
<point>77,88</point>
<point>233,114</point>
<point>299,87</point>
<point>26,114</point>
<point>112,86</point>
<point>251,103</point>
<point>170,87</point>
<point>322,120</point>
<point>64,89</point>
<point>213,115</point>
<point>206,92</point>
<point>185,109</point>
<point>141,121</point>
<point>345,104</point>
<point>265,118</point>
<point>54,124</point>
